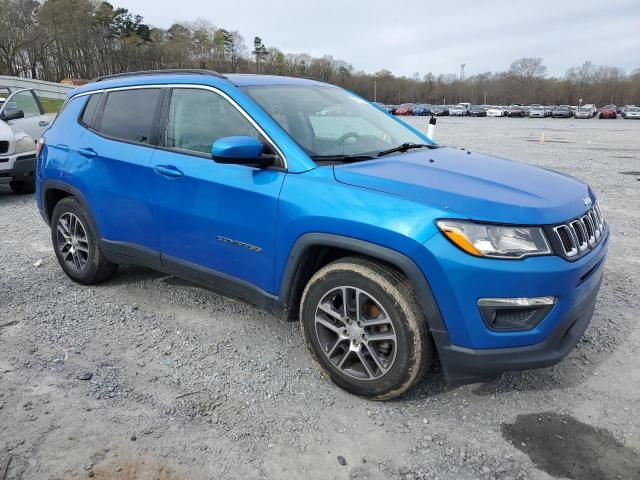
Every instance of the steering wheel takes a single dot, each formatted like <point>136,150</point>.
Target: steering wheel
<point>344,137</point>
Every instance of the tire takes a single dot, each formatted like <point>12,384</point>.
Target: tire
<point>387,299</point>
<point>75,243</point>
<point>23,187</point>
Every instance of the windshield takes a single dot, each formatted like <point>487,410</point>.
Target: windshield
<point>329,121</point>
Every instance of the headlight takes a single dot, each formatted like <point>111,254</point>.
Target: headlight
<point>25,144</point>
<point>496,241</point>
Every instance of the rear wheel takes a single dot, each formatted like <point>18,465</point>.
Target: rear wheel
<point>364,326</point>
<point>75,242</point>
<point>23,186</point>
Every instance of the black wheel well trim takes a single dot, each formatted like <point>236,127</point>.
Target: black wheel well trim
<point>49,185</point>
<point>398,260</point>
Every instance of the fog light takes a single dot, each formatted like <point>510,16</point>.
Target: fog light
<point>515,313</point>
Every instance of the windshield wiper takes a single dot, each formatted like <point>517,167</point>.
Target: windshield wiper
<point>406,146</point>
<point>341,158</point>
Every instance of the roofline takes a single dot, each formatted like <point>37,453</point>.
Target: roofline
<point>160,72</point>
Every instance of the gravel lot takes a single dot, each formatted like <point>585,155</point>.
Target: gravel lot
<point>150,377</point>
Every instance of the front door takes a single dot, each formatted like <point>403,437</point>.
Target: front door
<point>211,215</point>
<point>34,122</point>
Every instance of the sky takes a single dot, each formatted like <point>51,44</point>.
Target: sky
<point>409,36</point>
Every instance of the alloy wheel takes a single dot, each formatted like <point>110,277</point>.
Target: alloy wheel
<point>356,333</point>
<point>72,241</point>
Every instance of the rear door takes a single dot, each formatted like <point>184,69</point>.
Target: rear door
<point>35,122</point>
<point>111,164</point>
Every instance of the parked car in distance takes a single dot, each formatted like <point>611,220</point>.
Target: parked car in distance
<point>477,111</point>
<point>458,111</point>
<point>593,108</point>
<point>22,122</point>
<point>405,109</point>
<point>631,113</point>
<point>584,112</point>
<point>516,111</point>
<point>537,112</point>
<point>608,111</point>
<point>421,110</point>
<point>440,110</point>
<point>495,111</point>
<point>354,224</point>
<point>563,111</point>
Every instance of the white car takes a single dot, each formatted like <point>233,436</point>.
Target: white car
<point>23,121</point>
<point>631,113</point>
<point>458,111</point>
<point>495,112</point>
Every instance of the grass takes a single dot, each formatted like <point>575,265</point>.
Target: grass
<point>51,105</point>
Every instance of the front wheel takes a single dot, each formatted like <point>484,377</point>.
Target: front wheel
<point>364,326</point>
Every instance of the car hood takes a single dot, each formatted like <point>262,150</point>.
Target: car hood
<point>476,186</point>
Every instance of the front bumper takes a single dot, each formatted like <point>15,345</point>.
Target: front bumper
<point>469,350</point>
<point>18,167</point>
<point>464,365</point>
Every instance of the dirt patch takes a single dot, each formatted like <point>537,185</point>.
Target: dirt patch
<point>565,447</point>
<point>138,471</point>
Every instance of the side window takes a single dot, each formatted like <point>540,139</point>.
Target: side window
<point>131,115</point>
<point>89,111</point>
<point>26,102</point>
<point>197,118</point>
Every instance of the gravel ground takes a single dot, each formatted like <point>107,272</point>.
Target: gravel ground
<point>148,377</point>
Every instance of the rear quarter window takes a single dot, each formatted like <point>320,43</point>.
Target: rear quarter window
<point>88,113</point>
<point>131,115</point>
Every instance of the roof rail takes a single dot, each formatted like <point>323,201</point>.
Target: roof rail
<point>160,72</point>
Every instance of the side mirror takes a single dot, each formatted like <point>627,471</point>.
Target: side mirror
<point>240,150</point>
<point>13,114</point>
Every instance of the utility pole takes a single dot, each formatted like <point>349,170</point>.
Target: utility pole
<point>485,98</point>
<point>375,90</point>
<point>462,65</point>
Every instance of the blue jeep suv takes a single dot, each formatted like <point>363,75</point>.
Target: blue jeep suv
<point>307,200</point>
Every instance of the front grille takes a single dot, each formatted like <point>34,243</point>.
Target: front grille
<point>4,147</point>
<point>582,234</point>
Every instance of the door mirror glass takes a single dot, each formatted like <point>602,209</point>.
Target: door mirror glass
<point>241,150</point>
<point>12,114</point>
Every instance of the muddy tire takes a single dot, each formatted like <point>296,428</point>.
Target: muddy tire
<point>75,242</point>
<point>363,324</point>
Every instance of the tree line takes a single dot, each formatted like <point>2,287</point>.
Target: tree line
<point>57,39</point>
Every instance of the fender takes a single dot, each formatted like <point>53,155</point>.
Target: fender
<point>398,260</point>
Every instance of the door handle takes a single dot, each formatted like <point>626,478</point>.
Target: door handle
<point>87,152</point>
<point>43,123</point>
<point>168,171</point>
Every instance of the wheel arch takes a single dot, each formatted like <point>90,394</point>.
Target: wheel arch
<point>314,250</point>
<point>52,191</point>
